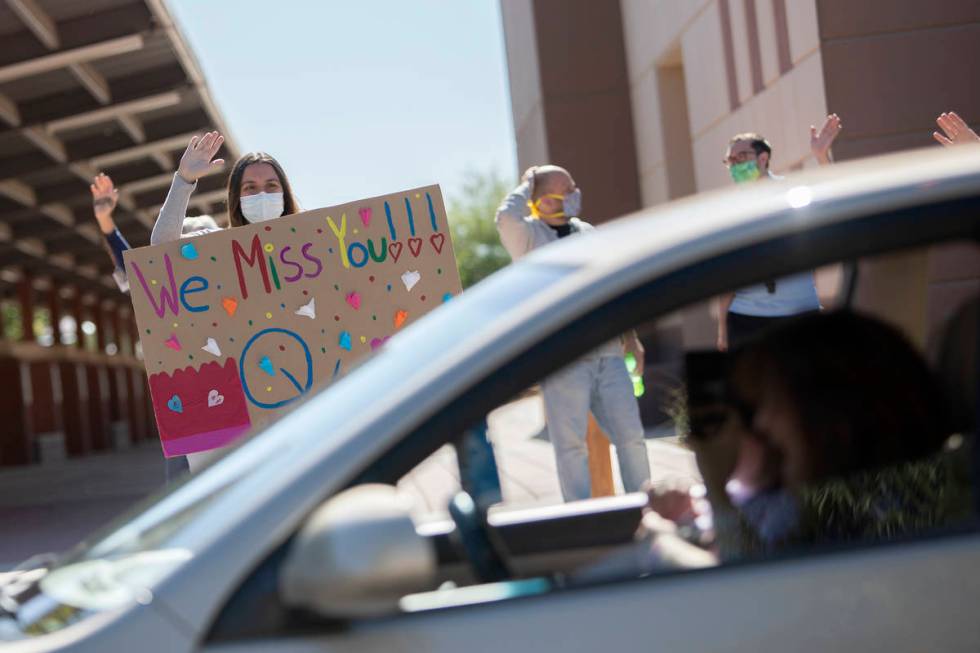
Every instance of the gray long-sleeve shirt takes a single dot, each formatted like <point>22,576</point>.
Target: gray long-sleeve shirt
<point>519,232</point>
<point>170,222</point>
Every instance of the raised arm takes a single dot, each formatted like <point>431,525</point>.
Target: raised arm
<point>955,130</point>
<point>821,141</point>
<point>197,160</point>
<point>104,200</point>
<point>512,221</point>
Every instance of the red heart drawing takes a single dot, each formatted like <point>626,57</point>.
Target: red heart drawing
<point>395,249</point>
<point>437,240</point>
<point>365,215</point>
<point>415,246</point>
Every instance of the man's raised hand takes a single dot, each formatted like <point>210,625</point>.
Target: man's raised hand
<point>821,141</point>
<point>955,130</point>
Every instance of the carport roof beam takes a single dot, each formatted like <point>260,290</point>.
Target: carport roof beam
<point>112,112</point>
<point>58,60</point>
<point>140,151</point>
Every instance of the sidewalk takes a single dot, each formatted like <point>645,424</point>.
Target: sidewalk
<point>49,508</point>
<point>526,462</point>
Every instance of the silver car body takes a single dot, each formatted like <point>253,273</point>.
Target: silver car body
<point>210,533</point>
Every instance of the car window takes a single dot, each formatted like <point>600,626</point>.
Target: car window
<point>658,429</point>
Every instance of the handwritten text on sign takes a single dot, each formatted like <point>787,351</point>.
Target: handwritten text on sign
<point>238,324</point>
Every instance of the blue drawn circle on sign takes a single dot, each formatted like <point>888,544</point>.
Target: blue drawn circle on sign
<point>301,389</point>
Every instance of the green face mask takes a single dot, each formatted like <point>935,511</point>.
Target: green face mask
<point>743,172</point>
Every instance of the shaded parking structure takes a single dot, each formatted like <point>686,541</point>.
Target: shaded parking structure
<point>85,87</point>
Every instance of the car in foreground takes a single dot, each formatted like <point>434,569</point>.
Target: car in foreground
<point>297,540</point>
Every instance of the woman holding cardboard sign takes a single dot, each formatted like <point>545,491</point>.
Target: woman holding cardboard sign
<point>258,188</point>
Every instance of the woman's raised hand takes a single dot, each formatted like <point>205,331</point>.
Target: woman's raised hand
<point>197,158</point>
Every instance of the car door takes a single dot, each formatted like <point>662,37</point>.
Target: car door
<point>914,595</point>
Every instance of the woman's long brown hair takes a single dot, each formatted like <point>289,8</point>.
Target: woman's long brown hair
<point>235,216</point>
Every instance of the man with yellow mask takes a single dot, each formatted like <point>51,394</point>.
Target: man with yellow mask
<point>542,209</point>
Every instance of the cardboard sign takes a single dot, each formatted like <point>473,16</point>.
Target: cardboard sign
<point>239,324</point>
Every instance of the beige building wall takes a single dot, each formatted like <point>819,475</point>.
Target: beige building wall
<point>735,79</point>
<point>527,99</point>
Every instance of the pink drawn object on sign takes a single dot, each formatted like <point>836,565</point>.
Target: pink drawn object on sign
<point>172,342</point>
<point>365,214</point>
<point>415,246</point>
<point>213,407</point>
<point>354,299</point>
<point>395,249</point>
<point>437,240</point>
<point>377,342</point>
<point>400,317</point>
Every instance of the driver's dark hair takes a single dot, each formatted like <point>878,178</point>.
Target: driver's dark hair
<point>757,141</point>
<point>863,396</point>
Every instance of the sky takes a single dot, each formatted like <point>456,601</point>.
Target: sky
<point>357,99</point>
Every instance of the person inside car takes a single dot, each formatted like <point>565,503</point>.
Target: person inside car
<point>828,429</point>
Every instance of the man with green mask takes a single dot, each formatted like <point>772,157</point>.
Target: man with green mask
<point>748,311</point>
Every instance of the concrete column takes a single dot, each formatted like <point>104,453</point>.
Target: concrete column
<point>25,297</point>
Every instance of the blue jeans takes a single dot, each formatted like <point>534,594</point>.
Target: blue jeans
<point>174,468</point>
<point>600,385</point>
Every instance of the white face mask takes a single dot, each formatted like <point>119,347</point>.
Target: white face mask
<point>262,206</point>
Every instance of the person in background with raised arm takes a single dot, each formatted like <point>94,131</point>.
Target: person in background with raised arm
<point>105,197</point>
<point>747,312</point>
<point>258,188</point>
<point>542,209</point>
<point>955,130</point>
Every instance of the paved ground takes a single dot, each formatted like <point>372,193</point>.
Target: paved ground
<point>526,462</point>
<point>52,507</point>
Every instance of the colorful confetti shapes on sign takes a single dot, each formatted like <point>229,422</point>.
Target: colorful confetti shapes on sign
<point>266,366</point>
<point>212,347</point>
<point>354,299</point>
<point>365,214</point>
<point>344,340</point>
<point>410,278</point>
<point>308,309</point>
<point>173,342</point>
<point>230,304</point>
<point>400,317</point>
<point>188,251</point>
<point>175,404</point>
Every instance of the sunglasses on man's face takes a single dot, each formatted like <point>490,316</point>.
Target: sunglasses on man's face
<point>739,157</point>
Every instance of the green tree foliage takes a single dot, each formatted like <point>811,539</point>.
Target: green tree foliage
<point>475,239</point>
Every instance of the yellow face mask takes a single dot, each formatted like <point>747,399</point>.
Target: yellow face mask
<point>536,209</point>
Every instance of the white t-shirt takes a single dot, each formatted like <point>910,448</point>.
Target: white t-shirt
<point>794,294</point>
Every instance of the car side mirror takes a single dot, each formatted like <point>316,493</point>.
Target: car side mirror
<point>357,555</point>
